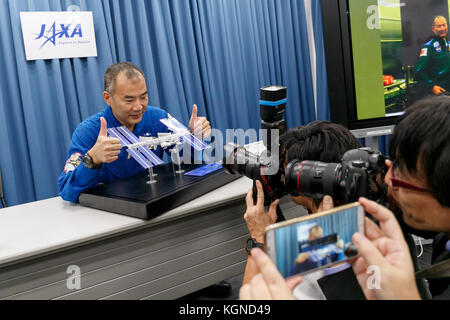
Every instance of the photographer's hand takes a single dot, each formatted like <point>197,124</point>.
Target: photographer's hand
<point>384,249</point>
<point>257,220</point>
<point>256,217</point>
<point>268,283</point>
<point>326,204</point>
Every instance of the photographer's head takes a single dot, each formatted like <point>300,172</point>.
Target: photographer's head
<point>319,141</point>
<point>419,176</point>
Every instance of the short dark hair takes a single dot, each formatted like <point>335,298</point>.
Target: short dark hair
<point>129,69</point>
<point>422,135</point>
<point>319,140</point>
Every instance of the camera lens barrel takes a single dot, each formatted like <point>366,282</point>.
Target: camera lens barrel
<point>313,179</point>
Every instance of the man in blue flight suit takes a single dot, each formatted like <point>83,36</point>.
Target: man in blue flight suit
<point>433,66</point>
<point>96,158</point>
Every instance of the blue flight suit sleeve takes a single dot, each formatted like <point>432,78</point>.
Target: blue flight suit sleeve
<point>75,177</point>
<point>422,67</point>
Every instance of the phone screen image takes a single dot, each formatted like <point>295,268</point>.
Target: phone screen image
<point>314,243</point>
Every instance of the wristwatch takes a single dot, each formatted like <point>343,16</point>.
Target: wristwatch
<point>250,244</point>
<point>89,163</point>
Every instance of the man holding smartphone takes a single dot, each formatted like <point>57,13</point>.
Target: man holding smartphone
<point>419,181</point>
<point>397,280</point>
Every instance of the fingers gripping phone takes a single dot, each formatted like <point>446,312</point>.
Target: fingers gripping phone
<point>321,240</point>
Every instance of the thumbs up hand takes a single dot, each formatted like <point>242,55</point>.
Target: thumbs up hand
<point>103,127</point>
<point>199,126</point>
<point>105,150</point>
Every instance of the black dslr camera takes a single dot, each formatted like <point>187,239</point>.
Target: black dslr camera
<point>359,174</point>
<point>238,160</point>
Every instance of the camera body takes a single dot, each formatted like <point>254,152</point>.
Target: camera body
<point>238,160</point>
<point>359,174</point>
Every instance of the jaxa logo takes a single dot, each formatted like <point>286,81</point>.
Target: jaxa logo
<point>52,33</point>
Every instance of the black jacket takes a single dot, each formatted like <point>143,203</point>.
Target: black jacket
<point>438,288</point>
<point>343,285</point>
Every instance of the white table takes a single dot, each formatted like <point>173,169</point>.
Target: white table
<point>119,257</point>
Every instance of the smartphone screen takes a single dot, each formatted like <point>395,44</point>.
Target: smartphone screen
<point>317,241</point>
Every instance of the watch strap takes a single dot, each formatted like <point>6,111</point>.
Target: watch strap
<point>89,162</point>
<point>251,243</point>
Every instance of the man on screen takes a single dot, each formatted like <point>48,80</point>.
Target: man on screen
<point>433,66</point>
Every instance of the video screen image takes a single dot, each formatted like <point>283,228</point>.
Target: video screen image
<point>318,242</point>
<point>401,53</point>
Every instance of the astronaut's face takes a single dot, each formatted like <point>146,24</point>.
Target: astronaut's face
<point>440,28</point>
<point>129,100</point>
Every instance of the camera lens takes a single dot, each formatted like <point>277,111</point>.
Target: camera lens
<point>313,179</point>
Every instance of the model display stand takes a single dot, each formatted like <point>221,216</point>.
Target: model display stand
<point>161,187</point>
<point>135,197</point>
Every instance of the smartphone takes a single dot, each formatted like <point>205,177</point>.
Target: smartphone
<point>305,244</point>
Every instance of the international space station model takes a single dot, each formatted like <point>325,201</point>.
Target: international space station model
<point>141,149</point>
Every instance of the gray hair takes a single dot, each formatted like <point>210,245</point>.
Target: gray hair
<point>129,69</point>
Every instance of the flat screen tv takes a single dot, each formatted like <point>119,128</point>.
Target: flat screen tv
<point>382,56</point>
